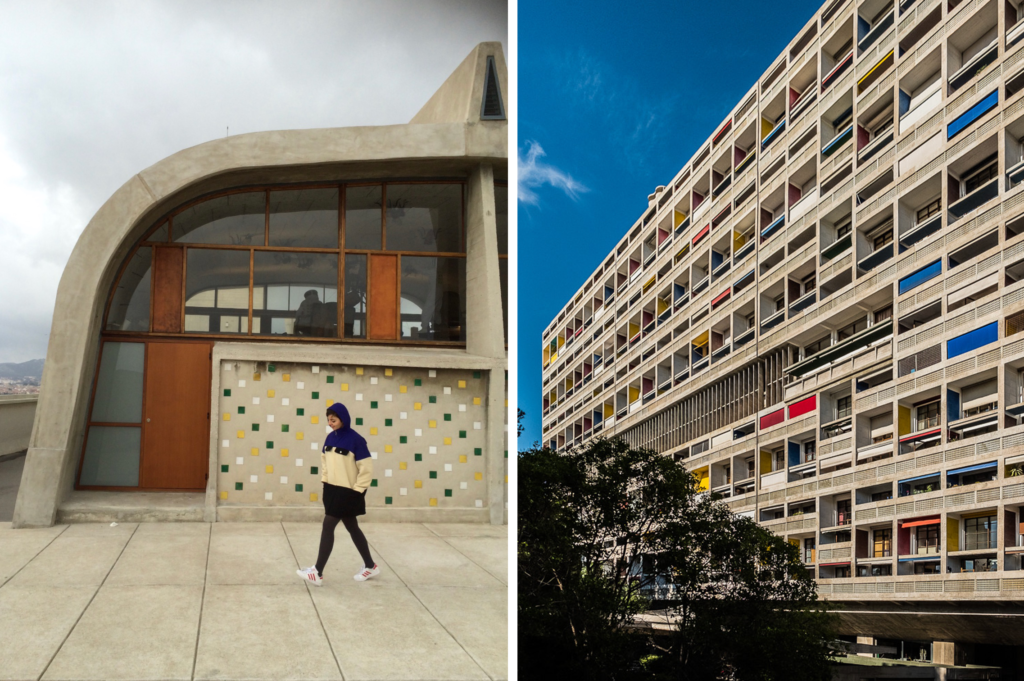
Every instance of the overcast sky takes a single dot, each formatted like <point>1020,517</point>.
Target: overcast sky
<point>92,93</point>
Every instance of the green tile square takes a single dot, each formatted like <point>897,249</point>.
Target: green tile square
<point>227,392</point>
<point>402,439</point>
<point>300,412</point>
<point>314,470</point>
<point>387,422</point>
<point>316,396</point>
<point>418,457</point>
<point>462,434</point>
<point>506,453</point>
<point>447,417</point>
<point>238,485</point>
<point>417,382</point>
<point>255,427</point>
<point>270,444</point>
<point>271,368</point>
<point>447,492</point>
<point>284,428</point>
<point>224,468</point>
<point>359,420</point>
<point>476,374</point>
<point>387,500</point>
<point>330,379</point>
<point>373,483</point>
<point>241,410</point>
<point>478,451</point>
<point>298,487</point>
<point>433,399</point>
<point>373,405</point>
<point>433,475</point>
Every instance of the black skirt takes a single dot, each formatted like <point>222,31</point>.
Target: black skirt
<point>343,502</point>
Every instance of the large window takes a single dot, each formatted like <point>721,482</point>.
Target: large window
<point>271,262</point>
<point>882,544</point>
<point>980,533</point>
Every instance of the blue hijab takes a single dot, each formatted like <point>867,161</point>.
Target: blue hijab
<point>344,437</point>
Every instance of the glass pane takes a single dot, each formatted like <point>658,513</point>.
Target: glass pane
<point>160,235</point>
<point>298,294</point>
<point>216,291</point>
<point>129,309</point>
<point>304,218</point>
<point>501,217</point>
<point>355,296</point>
<point>233,220</point>
<point>424,217</point>
<point>503,273</point>
<point>119,385</point>
<point>363,217</point>
<point>112,457</point>
<point>433,298</point>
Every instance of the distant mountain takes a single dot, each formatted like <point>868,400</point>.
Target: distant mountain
<point>30,369</point>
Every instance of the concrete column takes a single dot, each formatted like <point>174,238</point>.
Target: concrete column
<point>949,653</point>
<point>868,641</point>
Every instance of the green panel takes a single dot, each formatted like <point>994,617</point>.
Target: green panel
<point>462,434</point>
<point>447,417</point>
<point>373,483</point>
<point>387,422</point>
<point>271,368</point>
<point>476,374</point>
<point>255,427</point>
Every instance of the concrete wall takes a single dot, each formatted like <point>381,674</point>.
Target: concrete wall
<point>17,412</point>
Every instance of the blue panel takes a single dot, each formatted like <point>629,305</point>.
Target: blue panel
<point>904,102</point>
<point>919,277</point>
<point>794,453</point>
<point>778,222</point>
<point>862,28</point>
<point>972,340</point>
<point>920,477</point>
<point>716,259</point>
<point>972,114</point>
<point>980,466</point>
<point>677,292</point>
<point>953,405</point>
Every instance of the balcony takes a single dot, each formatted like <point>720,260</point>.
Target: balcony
<point>745,163</point>
<point>921,230</point>
<point>975,199</point>
<point>832,76</point>
<point>773,319</point>
<point>837,142</point>
<point>962,122</point>
<point>804,301</point>
<point>876,32</point>
<point>860,342</point>
<point>837,248</point>
<point>722,186</point>
<point>775,133</point>
<point>773,228</point>
<point>876,258</point>
<point>875,450</point>
<point>974,66</point>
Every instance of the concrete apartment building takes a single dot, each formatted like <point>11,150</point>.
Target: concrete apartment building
<point>224,297</point>
<point>820,317</point>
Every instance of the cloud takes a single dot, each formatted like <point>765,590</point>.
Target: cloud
<point>535,173</point>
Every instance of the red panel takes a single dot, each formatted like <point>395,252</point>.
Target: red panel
<point>702,233</point>
<point>722,130</point>
<point>903,541</point>
<point>935,520</point>
<point>721,296</point>
<point>794,194</point>
<point>916,436</point>
<point>845,562</point>
<point>775,418</point>
<point>803,406</point>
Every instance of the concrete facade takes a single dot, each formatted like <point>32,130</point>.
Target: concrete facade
<point>447,145</point>
<point>819,316</point>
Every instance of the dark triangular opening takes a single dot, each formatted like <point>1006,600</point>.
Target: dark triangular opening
<point>492,108</point>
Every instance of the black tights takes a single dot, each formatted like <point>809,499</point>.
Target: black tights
<point>327,541</point>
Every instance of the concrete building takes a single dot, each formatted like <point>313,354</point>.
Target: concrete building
<point>820,317</point>
<point>199,333</point>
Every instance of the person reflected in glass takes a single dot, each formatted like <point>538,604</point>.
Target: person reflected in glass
<point>307,313</point>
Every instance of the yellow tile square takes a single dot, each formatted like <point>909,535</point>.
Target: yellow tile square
<point>344,387</point>
<point>286,377</point>
<point>387,449</point>
<point>433,501</point>
<point>284,452</point>
<point>328,401</point>
<point>506,402</point>
<point>299,436</point>
<point>418,484</point>
<point>476,400</point>
<point>478,476</point>
<point>402,466</point>
<point>241,434</point>
<point>256,376</point>
<point>462,384</point>
<point>432,423</point>
<point>254,451</point>
<point>417,406</point>
<point>312,497</point>
<point>447,440</point>
<point>373,431</point>
<point>359,371</point>
<point>227,416</point>
<point>402,389</point>
<point>314,419</point>
<point>506,479</point>
<point>223,495</point>
<point>462,457</point>
<point>270,469</point>
<point>270,393</point>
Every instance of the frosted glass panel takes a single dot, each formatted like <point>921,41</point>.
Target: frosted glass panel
<point>119,389</point>
<point>112,457</point>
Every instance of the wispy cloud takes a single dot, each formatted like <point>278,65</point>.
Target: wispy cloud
<point>535,173</point>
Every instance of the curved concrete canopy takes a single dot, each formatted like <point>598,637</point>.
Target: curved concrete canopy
<point>428,149</point>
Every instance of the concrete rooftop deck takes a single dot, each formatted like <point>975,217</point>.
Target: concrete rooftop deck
<point>222,601</point>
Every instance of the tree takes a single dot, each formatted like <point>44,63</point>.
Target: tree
<point>605,529</point>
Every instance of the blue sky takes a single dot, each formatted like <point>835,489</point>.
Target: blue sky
<point>613,99</point>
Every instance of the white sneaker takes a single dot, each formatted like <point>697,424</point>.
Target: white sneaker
<point>310,575</point>
<point>366,573</point>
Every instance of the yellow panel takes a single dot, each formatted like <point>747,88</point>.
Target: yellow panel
<point>678,218</point>
<point>462,384</point>
<point>766,127</point>
<point>701,340</point>
<point>402,389</point>
<point>561,341</point>
<point>647,284</point>
<point>256,377</point>
<point>462,458</point>
<point>766,462</point>
<point>875,67</point>
<point>904,420</point>
<point>433,501</point>
<point>703,481</point>
<point>344,387</point>
<point>554,357</point>
<point>432,423</point>
<point>634,394</point>
<point>738,241</point>
<point>608,410</point>
<point>795,542</point>
<point>952,534</point>
<point>633,329</point>
<point>476,400</point>
<point>241,434</point>
<point>447,440</point>
<point>662,306</point>
<point>417,405</point>
<point>545,355</point>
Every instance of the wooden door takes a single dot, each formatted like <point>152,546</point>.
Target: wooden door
<point>383,298</point>
<point>176,418</point>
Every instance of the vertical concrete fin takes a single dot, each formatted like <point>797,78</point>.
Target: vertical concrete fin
<point>462,97</point>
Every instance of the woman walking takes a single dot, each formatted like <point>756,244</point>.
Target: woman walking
<point>346,471</point>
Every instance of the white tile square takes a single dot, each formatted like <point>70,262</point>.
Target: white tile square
<point>241,383</point>
<point>448,468</point>
<point>316,369</point>
<point>479,503</point>
<point>447,390</point>
<point>462,407</point>
<point>419,432</point>
<point>270,418</point>
<point>327,429</point>
<point>402,491</point>
<point>373,380</point>
<point>463,485</point>
<point>255,400</point>
<point>359,397</point>
<point>284,479</point>
<point>373,455</point>
<point>300,385</point>
<point>387,397</point>
<point>298,462</point>
<point>253,478</point>
<point>314,445</point>
<point>239,460</point>
<point>225,443</point>
<point>387,472</point>
<point>268,496</point>
<point>476,425</point>
<point>226,366</point>
<point>432,373</point>
<point>285,402</point>
<point>403,415</point>
<point>432,450</point>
